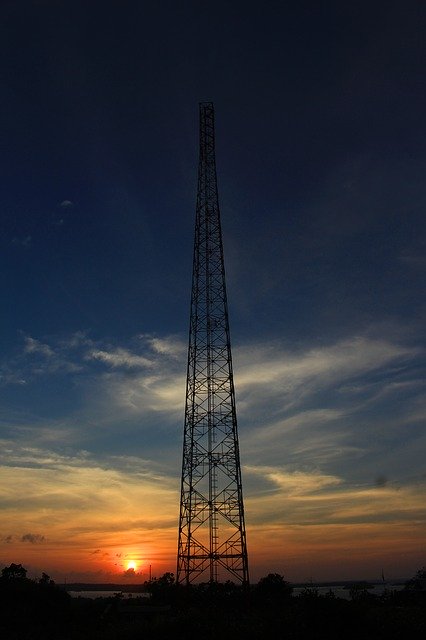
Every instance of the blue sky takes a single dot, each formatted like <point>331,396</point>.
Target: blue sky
<point>321,160</point>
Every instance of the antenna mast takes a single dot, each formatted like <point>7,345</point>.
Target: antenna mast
<point>212,537</point>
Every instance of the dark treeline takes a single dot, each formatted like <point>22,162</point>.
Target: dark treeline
<point>39,609</point>
<point>103,586</point>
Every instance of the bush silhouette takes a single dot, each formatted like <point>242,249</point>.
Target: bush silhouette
<point>29,604</point>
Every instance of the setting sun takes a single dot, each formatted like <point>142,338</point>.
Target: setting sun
<point>131,565</point>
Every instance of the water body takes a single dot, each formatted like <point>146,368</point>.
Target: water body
<point>339,591</point>
<point>342,591</point>
<point>106,594</point>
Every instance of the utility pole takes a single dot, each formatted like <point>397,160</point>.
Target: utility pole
<point>212,537</point>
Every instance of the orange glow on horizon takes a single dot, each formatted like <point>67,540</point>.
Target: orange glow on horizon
<point>310,525</point>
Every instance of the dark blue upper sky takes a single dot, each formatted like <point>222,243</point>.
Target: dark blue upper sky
<point>320,135</point>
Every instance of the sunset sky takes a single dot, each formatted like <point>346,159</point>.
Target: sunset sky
<point>320,130</point>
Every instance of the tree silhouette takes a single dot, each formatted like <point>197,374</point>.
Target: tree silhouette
<point>273,586</point>
<point>14,572</point>
<point>417,582</point>
<point>162,588</point>
<point>45,580</point>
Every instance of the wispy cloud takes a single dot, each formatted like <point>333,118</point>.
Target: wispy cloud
<point>293,483</point>
<point>307,498</point>
<point>35,346</point>
<point>268,370</point>
<point>38,358</point>
<point>33,538</point>
<point>169,345</point>
<point>300,404</point>
<point>331,406</point>
<point>142,396</point>
<point>119,358</point>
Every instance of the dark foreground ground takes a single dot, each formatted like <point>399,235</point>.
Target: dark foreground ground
<point>31,611</point>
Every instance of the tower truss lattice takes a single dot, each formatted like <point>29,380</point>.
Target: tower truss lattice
<point>212,538</point>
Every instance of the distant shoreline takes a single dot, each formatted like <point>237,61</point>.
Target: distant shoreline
<point>102,586</point>
<point>140,588</point>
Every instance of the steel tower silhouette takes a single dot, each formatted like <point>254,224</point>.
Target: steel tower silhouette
<point>212,537</point>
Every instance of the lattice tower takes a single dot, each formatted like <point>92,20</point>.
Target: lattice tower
<point>212,537</point>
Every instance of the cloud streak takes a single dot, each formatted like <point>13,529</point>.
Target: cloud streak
<point>118,358</point>
<point>33,538</point>
<point>268,370</point>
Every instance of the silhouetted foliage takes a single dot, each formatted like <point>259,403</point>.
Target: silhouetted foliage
<point>39,610</point>
<point>28,604</point>
<point>417,582</point>
<point>45,580</point>
<point>162,589</point>
<point>309,593</point>
<point>359,591</point>
<point>273,586</point>
<point>14,572</point>
<point>213,595</point>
